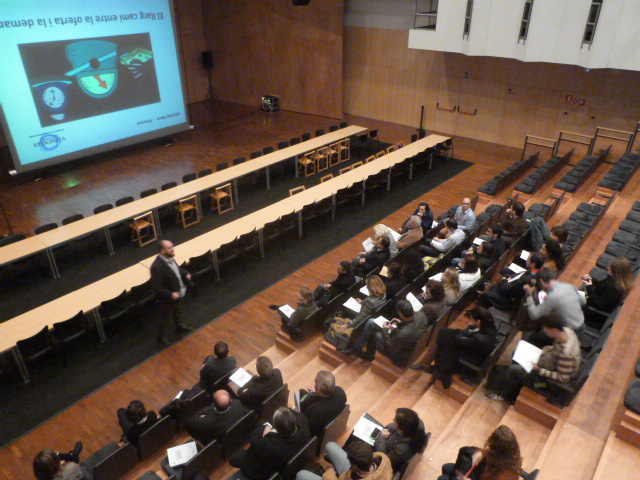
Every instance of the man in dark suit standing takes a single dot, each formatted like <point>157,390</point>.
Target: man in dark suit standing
<point>170,283</point>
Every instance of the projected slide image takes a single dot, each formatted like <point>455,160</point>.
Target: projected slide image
<point>76,79</point>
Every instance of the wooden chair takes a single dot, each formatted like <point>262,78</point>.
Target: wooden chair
<point>345,169</point>
<point>143,229</point>
<point>370,159</point>
<point>222,195</point>
<point>381,153</point>
<point>356,165</point>
<point>400,145</point>
<point>188,211</point>
<point>321,157</point>
<point>333,154</point>
<point>390,148</point>
<point>344,150</point>
<point>299,189</point>
<point>326,177</point>
<point>307,164</point>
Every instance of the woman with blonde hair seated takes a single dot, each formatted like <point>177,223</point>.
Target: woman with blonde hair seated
<point>452,289</point>
<point>377,297</point>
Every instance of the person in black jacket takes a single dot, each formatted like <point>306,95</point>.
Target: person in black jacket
<point>213,421</point>
<point>374,258</point>
<point>271,447</point>
<point>261,386</point>
<point>324,403</point>
<point>608,293</point>
<point>473,343</point>
<point>345,279</point>
<point>215,367</point>
<point>403,438</point>
<point>134,420</point>
<point>426,218</point>
<point>170,284</point>
<point>508,293</point>
<point>394,281</point>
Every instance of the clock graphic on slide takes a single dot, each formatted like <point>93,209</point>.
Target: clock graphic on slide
<point>53,96</point>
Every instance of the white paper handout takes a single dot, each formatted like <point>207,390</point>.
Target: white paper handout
<point>524,255</point>
<point>287,310</point>
<point>380,321</point>
<point>434,224</point>
<point>478,241</point>
<point>351,304</point>
<point>368,244</point>
<point>415,303</point>
<point>364,290</point>
<point>366,430</point>
<point>395,235</point>
<point>527,355</point>
<point>181,454</point>
<point>240,377</point>
<point>437,277</point>
<point>516,268</point>
<point>384,272</point>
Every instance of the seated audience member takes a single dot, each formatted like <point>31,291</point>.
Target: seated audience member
<point>356,462</point>
<point>412,235</point>
<point>52,465</point>
<point>324,403</point>
<point>215,367</point>
<point>451,281</point>
<point>484,256</point>
<point>554,258</point>
<point>494,237</point>
<point>380,231</point>
<point>562,299</point>
<point>608,293</point>
<point>213,421</point>
<point>345,280</point>
<point>394,281</point>
<point>473,343</point>
<point>413,265</point>
<point>508,293</point>
<point>305,307</point>
<point>499,459</point>
<point>403,438</point>
<point>561,235</point>
<point>396,338</point>
<point>271,447</point>
<point>434,301</point>
<point>517,225</point>
<point>464,216</point>
<point>560,361</point>
<point>374,258</point>
<point>134,420</point>
<point>469,272</point>
<point>453,237</point>
<point>262,385</point>
<point>426,218</point>
<point>377,297</point>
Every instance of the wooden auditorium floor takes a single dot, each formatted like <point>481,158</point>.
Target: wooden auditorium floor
<point>225,131</point>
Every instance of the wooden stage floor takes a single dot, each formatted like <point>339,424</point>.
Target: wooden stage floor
<point>573,449</point>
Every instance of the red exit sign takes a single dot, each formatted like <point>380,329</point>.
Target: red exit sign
<point>574,102</point>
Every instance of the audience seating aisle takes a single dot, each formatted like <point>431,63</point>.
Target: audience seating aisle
<point>505,177</point>
<point>45,242</point>
<point>31,322</point>
<point>579,174</point>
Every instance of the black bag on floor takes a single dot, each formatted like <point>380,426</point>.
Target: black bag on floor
<point>496,378</point>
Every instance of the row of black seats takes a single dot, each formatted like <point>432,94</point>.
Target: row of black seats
<point>543,173</point>
<point>581,172</point>
<point>505,177</point>
<point>583,220</point>
<point>621,172</point>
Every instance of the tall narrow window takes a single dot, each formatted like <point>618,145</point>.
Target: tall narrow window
<point>425,14</point>
<point>524,25</point>
<point>592,22</point>
<point>467,20</point>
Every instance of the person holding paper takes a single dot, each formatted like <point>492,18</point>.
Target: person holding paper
<point>374,258</point>
<point>170,283</point>
<point>324,403</point>
<point>262,385</point>
<point>508,293</point>
<point>394,281</point>
<point>403,438</point>
<point>213,421</point>
<point>380,230</point>
<point>271,446</point>
<point>326,291</point>
<point>292,323</point>
<point>376,298</point>
<point>454,236</point>
<point>426,218</point>
<point>560,361</point>
<point>215,367</point>
<point>434,301</point>
<point>356,462</point>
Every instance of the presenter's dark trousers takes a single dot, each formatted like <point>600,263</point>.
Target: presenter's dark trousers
<point>168,311</point>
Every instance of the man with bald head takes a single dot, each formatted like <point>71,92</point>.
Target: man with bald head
<point>170,284</point>
<point>465,216</point>
<point>211,422</point>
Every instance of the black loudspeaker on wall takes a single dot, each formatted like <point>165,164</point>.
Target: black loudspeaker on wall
<point>207,59</point>
<point>300,2</point>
